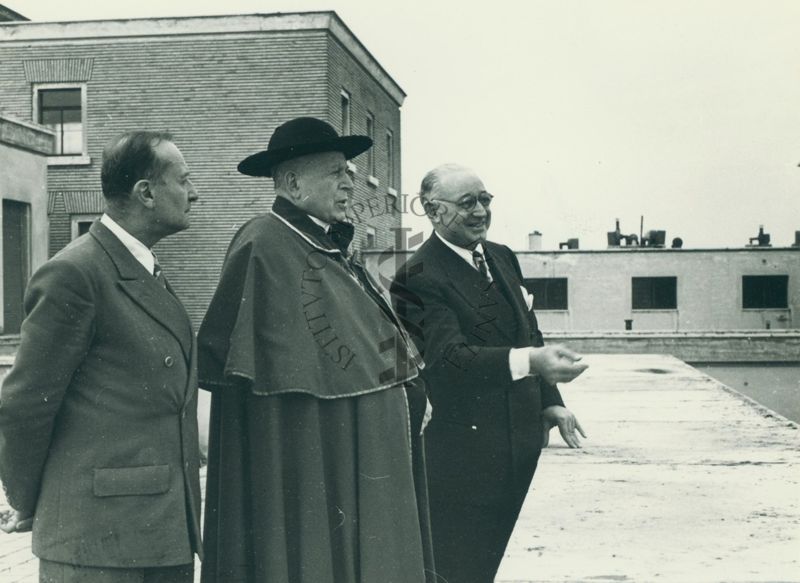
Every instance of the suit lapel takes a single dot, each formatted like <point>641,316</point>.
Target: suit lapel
<point>506,278</point>
<point>465,280</point>
<point>470,285</point>
<point>161,304</point>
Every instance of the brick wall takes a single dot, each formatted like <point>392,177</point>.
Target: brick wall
<point>221,96</point>
<point>59,223</point>
<point>372,205</point>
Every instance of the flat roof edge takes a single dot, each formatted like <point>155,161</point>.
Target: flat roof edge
<point>197,25</point>
<point>655,250</point>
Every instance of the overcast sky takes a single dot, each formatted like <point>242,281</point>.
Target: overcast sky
<point>579,112</point>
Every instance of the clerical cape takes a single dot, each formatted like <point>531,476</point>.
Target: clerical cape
<point>310,474</point>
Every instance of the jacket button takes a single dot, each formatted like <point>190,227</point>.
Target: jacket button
<point>169,361</point>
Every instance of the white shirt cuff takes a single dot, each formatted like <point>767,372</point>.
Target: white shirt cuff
<point>519,363</point>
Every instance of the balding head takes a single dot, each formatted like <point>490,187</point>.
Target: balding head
<point>457,204</point>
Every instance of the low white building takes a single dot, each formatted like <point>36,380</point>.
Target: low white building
<point>675,290</point>
<point>24,148</point>
<point>701,305</point>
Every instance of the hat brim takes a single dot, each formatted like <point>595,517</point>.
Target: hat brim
<point>264,162</point>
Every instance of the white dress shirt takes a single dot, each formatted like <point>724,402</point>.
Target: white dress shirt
<point>325,226</point>
<point>518,358</point>
<point>139,250</point>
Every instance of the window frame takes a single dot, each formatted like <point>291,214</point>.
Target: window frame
<point>528,281</point>
<point>371,232</point>
<point>75,219</point>
<point>370,127</point>
<point>390,163</point>
<point>784,277</point>
<point>651,308</point>
<point>64,159</point>
<point>345,98</point>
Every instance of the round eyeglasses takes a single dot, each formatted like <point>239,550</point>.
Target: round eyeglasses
<point>468,203</point>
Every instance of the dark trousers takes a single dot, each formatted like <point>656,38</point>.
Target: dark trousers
<point>52,572</point>
<point>469,541</point>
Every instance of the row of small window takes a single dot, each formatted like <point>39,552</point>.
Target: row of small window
<point>369,124</point>
<point>661,293</point>
<point>61,109</point>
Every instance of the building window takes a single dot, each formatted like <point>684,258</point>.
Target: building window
<point>79,224</point>
<point>549,293</point>
<point>654,293</point>
<point>345,104</point>
<point>62,109</point>
<point>16,262</point>
<point>372,238</point>
<point>765,291</point>
<point>390,159</point>
<point>371,151</point>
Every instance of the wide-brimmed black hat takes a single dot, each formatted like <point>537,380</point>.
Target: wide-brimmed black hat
<point>300,137</point>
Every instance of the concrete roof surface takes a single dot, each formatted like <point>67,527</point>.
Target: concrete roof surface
<point>681,479</point>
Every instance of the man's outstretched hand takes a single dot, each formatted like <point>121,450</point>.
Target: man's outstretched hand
<point>555,363</point>
<point>567,425</point>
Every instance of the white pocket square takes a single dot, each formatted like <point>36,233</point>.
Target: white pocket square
<point>528,297</point>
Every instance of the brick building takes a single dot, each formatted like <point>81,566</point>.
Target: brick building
<point>221,85</point>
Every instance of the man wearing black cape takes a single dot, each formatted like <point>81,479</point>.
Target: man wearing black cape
<point>310,475</point>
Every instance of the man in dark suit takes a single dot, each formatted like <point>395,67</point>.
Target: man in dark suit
<point>98,421</point>
<point>489,377</point>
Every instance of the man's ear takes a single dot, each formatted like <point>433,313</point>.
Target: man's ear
<point>292,185</point>
<point>142,192</point>
<point>431,209</point>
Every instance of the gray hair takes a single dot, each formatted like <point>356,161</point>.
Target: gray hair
<point>434,177</point>
<point>128,158</point>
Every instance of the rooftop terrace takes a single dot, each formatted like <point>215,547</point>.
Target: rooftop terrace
<point>681,479</point>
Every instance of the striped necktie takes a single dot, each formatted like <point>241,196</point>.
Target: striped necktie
<point>480,263</point>
<point>158,274</point>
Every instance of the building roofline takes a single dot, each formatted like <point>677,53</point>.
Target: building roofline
<point>11,15</point>
<point>203,25</point>
<point>654,250</point>
<point>23,134</point>
<point>622,250</point>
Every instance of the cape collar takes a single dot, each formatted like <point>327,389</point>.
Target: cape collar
<point>338,238</point>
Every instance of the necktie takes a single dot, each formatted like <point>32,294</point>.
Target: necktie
<point>158,274</point>
<point>480,263</point>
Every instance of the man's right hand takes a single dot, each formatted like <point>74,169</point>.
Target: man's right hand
<point>555,363</point>
<point>14,521</point>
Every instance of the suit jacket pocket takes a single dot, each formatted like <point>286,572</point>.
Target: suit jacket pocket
<point>138,481</point>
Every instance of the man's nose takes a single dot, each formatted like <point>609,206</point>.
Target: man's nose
<point>480,210</point>
<point>348,182</point>
<point>193,196</point>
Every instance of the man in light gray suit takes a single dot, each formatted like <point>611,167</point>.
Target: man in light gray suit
<point>98,421</point>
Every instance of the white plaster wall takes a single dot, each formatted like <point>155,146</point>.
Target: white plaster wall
<point>709,288</point>
<point>599,287</point>
<point>23,177</point>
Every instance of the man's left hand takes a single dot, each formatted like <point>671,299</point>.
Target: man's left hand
<point>15,521</point>
<point>567,425</point>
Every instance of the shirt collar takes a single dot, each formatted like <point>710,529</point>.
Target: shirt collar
<point>325,226</point>
<point>463,252</point>
<point>138,249</point>
<point>338,235</point>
